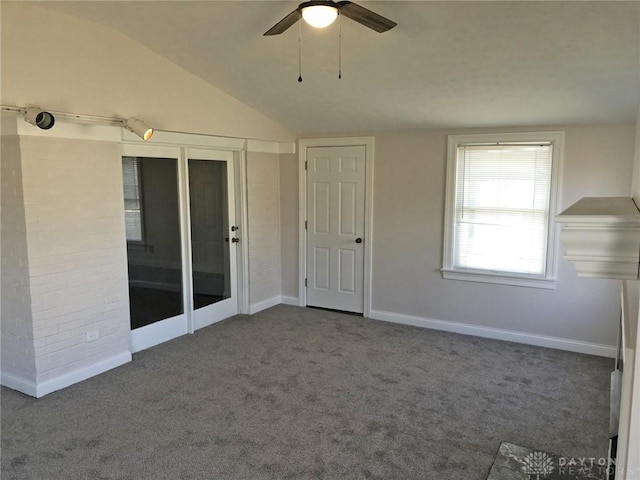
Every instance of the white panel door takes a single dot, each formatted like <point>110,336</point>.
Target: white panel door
<point>335,227</point>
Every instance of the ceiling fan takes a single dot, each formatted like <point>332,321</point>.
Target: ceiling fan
<point>322,13</point>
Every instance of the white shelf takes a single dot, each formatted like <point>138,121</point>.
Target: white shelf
<point>601,236</point>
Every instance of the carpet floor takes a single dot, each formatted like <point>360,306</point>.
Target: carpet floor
<point>296,393</point>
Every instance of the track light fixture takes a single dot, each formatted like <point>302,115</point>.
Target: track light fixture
<point>138,127</point>
<point>38,117</point>
<point>45,120</point>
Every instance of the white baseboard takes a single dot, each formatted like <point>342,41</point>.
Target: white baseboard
<point>498,334</point>
<point>41,389</point>
<point>264,304</point>
<point>287,300</point>
<point>82,373</point>
<point>20,384</point>
<point>272,302</point>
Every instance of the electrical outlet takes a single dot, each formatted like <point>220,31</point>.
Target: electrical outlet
<point>93,335</point>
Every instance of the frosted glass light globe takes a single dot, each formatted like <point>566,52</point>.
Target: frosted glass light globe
<point>319,16</point>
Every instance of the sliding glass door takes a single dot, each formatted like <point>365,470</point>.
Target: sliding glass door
<point>181,240</point>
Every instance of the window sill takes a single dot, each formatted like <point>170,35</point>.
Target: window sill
<point>499,278</point>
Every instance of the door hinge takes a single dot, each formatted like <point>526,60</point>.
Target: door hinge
<point>305,224</point>
<point>305,282</point>
<point>305,164</point>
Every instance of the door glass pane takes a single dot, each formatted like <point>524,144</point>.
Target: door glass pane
<point>153,239</point>
<point>209,231</point>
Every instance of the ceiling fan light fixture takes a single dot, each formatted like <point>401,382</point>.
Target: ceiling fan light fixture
<point>319,16</point>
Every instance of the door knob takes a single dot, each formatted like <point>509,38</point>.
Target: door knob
<point>358,240</point>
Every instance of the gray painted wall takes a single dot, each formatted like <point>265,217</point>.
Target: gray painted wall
<point>263,204</point>
<point>289,223</point>
<point>409,195</point>
<point>409,192</point>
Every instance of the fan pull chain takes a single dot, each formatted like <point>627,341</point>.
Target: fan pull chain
<point>300,52</point>
<point>339,45</point>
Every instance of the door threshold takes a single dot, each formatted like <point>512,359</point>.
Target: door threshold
<point>355,314</point>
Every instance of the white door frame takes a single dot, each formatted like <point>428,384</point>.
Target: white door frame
<point>303,144</point>
<point>225,308</point>
<point>239,148</point>
<point>169,328</point>
<point>176,145</point>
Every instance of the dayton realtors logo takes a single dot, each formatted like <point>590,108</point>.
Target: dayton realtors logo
<point>538,463</point>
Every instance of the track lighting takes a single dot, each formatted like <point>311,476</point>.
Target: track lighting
<point>38,117</point>
<point>138,127</point>
<point>45,120</point>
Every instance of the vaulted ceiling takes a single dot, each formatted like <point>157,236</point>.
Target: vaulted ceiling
<point>446,64</point>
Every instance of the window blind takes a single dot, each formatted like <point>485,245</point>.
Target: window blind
<point>502,207</point>
<point>132,202</point>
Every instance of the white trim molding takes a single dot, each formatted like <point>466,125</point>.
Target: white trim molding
<point>263,146</point>
<point>467,275</point>
<point>161,137</point>
<point>288,300</point>
<point>450,268</point>
<point>40,389</point>
<point>498,334</point>
<point>264,304</point>
<point>12,125</point>
<point>601,236</point>
<point>19,384</point>
<point>81,374</point>
<point>181,139</point>
<point>72,126</point>
<point>369,144</point>
<point>272,302</point>
<point>242,218</point>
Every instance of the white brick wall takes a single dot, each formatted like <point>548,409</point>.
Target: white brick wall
<point>263,202</point>
<point>18,357</point>
<point>73,211</point>
<point>64,257</point>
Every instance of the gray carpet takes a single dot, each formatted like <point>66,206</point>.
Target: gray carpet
<point>294,393</point>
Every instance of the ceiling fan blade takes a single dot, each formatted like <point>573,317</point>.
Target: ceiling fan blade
<point>365,16</point>
<point>285,23</point>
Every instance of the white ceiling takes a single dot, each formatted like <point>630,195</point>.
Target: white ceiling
<point>446,64</point>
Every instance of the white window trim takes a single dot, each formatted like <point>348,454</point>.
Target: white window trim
<point>450,272</point>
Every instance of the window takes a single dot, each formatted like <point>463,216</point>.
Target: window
<point>500,208</point>
<point>132,199</point>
